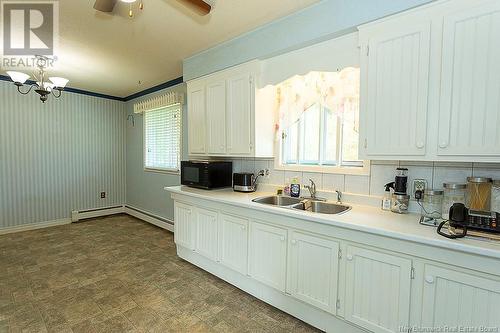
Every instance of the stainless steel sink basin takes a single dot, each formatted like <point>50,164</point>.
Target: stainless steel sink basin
<point>277,200</point>
<point>321,207</point>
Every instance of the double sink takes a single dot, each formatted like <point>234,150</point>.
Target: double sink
<point>309,205</point>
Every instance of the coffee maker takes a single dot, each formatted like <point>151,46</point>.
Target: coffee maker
<point>400,199</point>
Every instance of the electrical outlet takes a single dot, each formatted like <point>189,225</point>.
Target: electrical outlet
<point>419,185</point>
<point>103,195</point>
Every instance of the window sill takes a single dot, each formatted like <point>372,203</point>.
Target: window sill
<point>343,170</point>
<point>164,171</point>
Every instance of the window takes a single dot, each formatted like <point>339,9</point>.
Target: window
<point>319,116</point>
<point>162,139</point>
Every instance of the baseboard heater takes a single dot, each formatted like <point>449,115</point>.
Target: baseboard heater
<point>150,218</point>
<point>78,215</point>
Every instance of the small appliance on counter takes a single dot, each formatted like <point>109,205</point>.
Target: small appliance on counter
<point>206,174</point>
<point>245,181</point>
<point>463,219</point>
<point>400,200</point>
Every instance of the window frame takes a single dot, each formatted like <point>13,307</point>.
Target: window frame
<point>168,171</point>
<point>346,168</point>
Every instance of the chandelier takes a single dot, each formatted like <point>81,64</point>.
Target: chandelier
<point>41,85</point>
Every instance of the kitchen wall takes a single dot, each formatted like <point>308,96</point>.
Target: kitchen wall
<point>325,20</point>
<point>382,172</point>
<point>58,156</point>
<point>145,188</point>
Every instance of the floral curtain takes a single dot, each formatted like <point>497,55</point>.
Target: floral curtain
<point>337,91</point>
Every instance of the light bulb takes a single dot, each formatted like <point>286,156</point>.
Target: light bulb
<point>18,77</point>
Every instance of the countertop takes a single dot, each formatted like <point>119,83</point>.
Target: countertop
<point>361,218</point>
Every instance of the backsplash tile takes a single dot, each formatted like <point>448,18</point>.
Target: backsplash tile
<point>315,176</point>
<point>381,173</point>
<point>357,184</point>
<point>333,182</point>
<point>450,173</point>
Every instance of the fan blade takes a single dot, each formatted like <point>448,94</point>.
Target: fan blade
<point>203,7</point>
<point>105,5</point>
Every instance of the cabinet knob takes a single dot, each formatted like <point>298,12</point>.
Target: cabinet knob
<point>243,227</point>
<point>282,238</point>
<point>420,145</point>
<point>294,241</point>
<point>429,279</point>
<point>349,257</point>
<point>443,144</point>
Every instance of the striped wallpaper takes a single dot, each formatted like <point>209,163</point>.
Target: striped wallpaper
<point>58,156</point>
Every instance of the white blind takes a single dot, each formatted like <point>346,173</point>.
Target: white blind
<point>162,138</point>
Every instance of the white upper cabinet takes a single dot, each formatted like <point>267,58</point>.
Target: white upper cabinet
<point>395,74</point>
<point>239,114</point>
<point>430,83</point>
<point>197,118</point>
<point>378,287</point>
<point>222,112</point>
<point>216,117</point>
<point>469,117</point>
<point>455,299</point>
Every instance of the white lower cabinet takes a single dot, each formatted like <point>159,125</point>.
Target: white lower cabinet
<point>372,286</point>
<point>452,298</point>
<point>206,233</point>
<point>378,286</point>
<point>184,226</point>
<point>267,254</point>
<point>313,270</point>
<point>233,242</point>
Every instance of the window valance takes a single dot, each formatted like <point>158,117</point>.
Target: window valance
<point>161,101</point>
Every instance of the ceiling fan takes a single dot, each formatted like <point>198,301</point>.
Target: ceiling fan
<point>107,6</point>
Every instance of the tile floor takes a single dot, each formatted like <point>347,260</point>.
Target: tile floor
<point>119,274</point>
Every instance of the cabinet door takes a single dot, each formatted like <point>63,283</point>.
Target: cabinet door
<point>456,299</point>
<point>233,242</point>
<point>268,254</point>
<point>196,119</point>
<point>313,270</point>
<point>206,233</point>
<point>469,120</point>
<point>239,115</point>
<point>184,225</point>
<point>216,116</point>
<point>395,68</point>
<point>377,290</point>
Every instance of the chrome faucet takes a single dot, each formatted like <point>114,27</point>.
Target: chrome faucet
<point>339,196</point>
<point>312,189</point>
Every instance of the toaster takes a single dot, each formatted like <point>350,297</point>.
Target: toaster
<point>244,182</point>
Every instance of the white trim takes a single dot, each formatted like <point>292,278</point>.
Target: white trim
<point>98,212</point>
<point>344,170</point>
<point>168,99</point>
<point>149,217</point>
<point>34,226</point>
<point>166,171</point>
<point>93,213</point>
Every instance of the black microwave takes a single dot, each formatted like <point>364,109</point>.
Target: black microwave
<point>206,174</point>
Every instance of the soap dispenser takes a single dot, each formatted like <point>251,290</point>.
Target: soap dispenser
<point>386,199</point>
